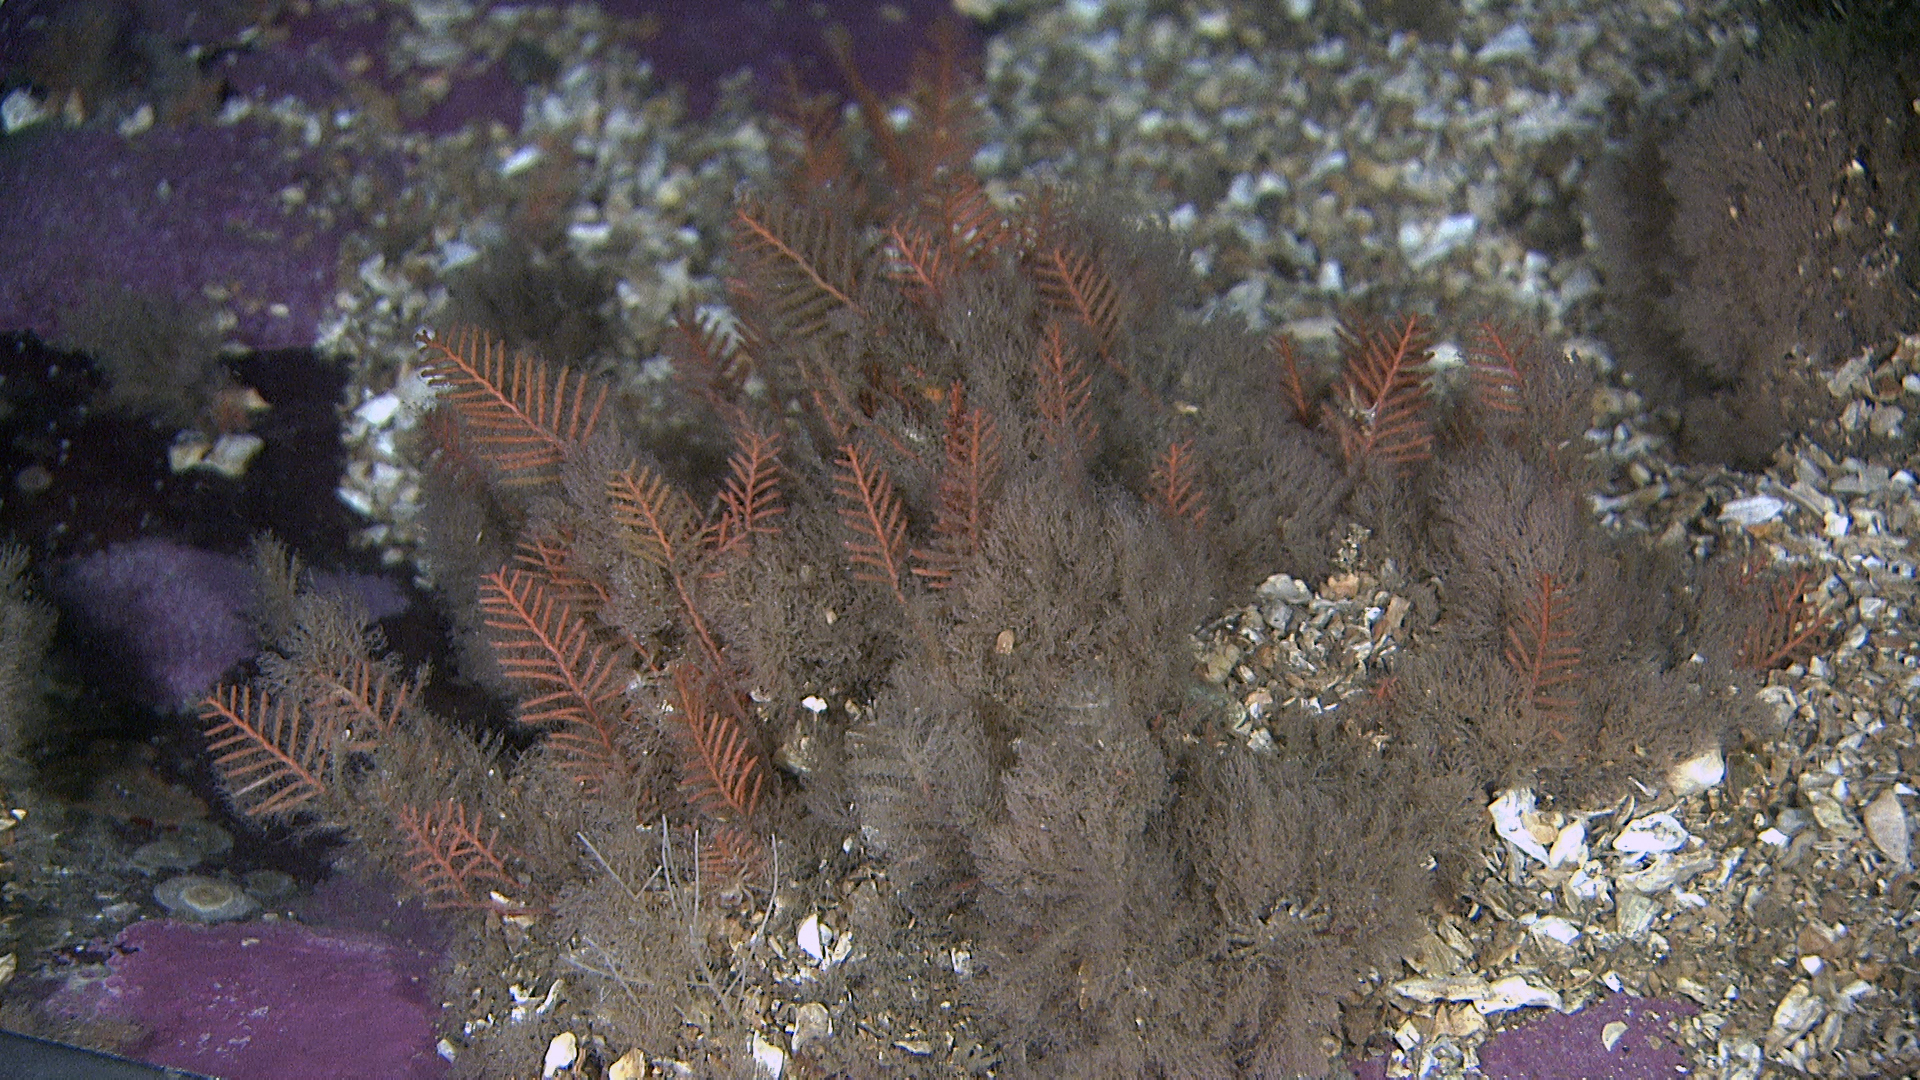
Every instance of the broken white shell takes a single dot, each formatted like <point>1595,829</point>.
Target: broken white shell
<point>1509,811</point>
<point>1886,822</point>
<point>561,1054</point>
<point>1699,773</point>
<point>1650,834</point>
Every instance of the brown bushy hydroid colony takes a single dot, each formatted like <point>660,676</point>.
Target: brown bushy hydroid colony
<point>982,474</point>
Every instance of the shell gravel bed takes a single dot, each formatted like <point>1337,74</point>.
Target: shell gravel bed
<point>1314,159</point>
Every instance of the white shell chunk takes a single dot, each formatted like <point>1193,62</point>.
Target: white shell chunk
<point>1887,827</point>
<point>1753,510</point>
<point>1666,872</point>
<point>1700,773</point>
<point>1514,993</point>
<point>810,939</point>
<point>1508,812</point>
<point>561,1054</point>
<point>768,1059</point>
<point>1556,928</point>
<point>1797,1012</point>
<point>378,411</point>
<point>1570,847</point>
<point>1610,1035</point>
<point>1651,834</point>
<point>811,1024</point>
<point>1509,993</point>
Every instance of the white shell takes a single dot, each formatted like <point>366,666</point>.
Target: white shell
<point>768,1059</point>
<point>1650,834</point>
<point>1514,993</point>
<point>1570,847</point>
<point>1697,774</point>
<point>1508,811</point>
<point>810,939</point>
<point>1753,510</point>
<point>1887,827</point>
<point>561,1054</point>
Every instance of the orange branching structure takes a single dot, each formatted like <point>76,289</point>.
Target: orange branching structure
<point>966,489</point>
<point>451,862</point>
<point>1176,484</point>
<point>572,685</point>
<point>1381,411</point>
<point>574,669</point>
<point>1540,649</point>
<point>271,753</point>
<point>1792,624</point>
<point>876,526</point>
<point>522,416</point>
<point>294,750</point>
<point>1064,397</point>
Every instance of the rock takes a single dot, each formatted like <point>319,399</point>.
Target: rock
<point>811,1024</point>
<point>1796,1013</point>
<point>1666,872</point>
<point>562,1052</point>
<point>1887,827</point>
<point>1509,813</point>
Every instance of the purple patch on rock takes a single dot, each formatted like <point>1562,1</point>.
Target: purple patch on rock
<point>271,1001</point>
<point>174,210</point>
<point>1573,1046</point>
<point>177,614</point>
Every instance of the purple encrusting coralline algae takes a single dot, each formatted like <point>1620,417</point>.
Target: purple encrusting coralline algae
<point>269,1001</point>
<point>178,615</point>
<point>175,211</point>
<point>1578,1045</point>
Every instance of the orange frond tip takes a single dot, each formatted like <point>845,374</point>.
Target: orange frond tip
<point>1176,486</point>
<point>1539,649</point>
<point>877,527</point>
<point>271,755</point>
<point>1064,395</point>
<point>451,861</point>
<point>722,772</point>
<point>659,519</point>
<point>570,681</point>
<point>523,417</point>
<point>965,487</point>
<point>1074,284</point>
<point>1791,626</point>
<point>750,499</point>
<point>1381,414</point>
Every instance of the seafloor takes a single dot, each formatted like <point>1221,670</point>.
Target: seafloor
<point>278,196</point>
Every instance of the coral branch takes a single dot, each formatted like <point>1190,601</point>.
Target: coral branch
<point>659,519</point>
<point>1064,397</point>
<point>575,683</point>
<point>966,481</point>
<point>1074,284</point>
<point>450,862</point>
<point>1176,488</point>
<point>1537,648</point>
<point>722,774</point>
<point>523,418</point>
<point>796,262</point>
<point>751,498</point>
<point>270,754</point>
<point>1384,397</point>
<point>872,514</point>
<point>1792,626</point>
